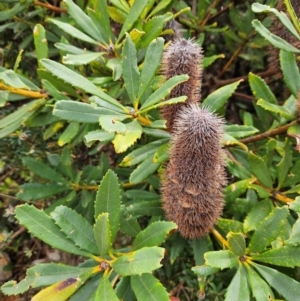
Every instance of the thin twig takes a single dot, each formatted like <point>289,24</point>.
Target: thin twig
<point>271,133</point>
<point>51,7</point>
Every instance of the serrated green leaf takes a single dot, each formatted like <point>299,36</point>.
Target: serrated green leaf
<point>154,27</point>
<point>228,225</point>
<point>163,91</point>
<point>162,154</point>
<point>268,229</point>
<point>43,227</point>
<point>221,259</point>
<point>35,191</point>
<point>131,73</point>
<point>10,78</point>
<point>102,233</point>
<point>260,89</point>
<point>236,189</point>
<point>43,170</point>
<point>274,108</point>
<point>40,42</point>
<point>240,131</point>
<point>76,228</point>
<point>218,98</point>
<point>142,153</point>
<point>287,256</point>
<point>229,141</point>
<point>260,289</point>
<point>236,243</point>
<point>98,135</point>
<point>138,262</point>
<point>112,123</point>
<point>42,275</point>
<point>81,59</point>
<point>69,48</point>
<point>238,288</point>
<point>153,235</point>
<point>273,39</point>
<point>284,285</point>
<point>145,169</point>
<point>77,80</point>
<point>108,200</point>
<point>130,226</point>
<point>68,134</point>
<point>257,214</point>
<point>115,65</point>
<point>151,63</point>
<point>123,141</point>
<point>105,291</point>
<point>260,170</point>
<point>147,287</point>
<point>290,71</point>
<point>83,21</point>
<point>9,13</point>
<point>133,15</point>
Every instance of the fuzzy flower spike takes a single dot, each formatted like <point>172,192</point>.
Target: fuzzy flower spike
<point>182,57</point>
<point>194,178</point>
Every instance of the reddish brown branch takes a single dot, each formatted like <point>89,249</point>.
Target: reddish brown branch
<point>50,7</point>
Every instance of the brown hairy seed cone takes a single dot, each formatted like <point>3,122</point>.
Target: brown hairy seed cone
<point>182,57</point>
<point>194,178</point>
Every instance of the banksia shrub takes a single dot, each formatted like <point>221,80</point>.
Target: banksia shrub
<point>182,57</point>
<point>194,178</point>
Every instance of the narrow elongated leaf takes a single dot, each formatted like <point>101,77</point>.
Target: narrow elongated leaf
<point>284,285</point>
<point>240,131</point>
<point>112,123</point>
<point>141,261</point>
<point>10,78</point>
<point>238,288</point>
<point>147,287</point>
<point>102,234</point>
<point>140,154</point>
<point>103,24</point>
<point>108,200</point>
<point>43,227</point>
<point>290,71</point>
<point>287,256</point>
<point>131,73</point>
<point>273,39</point>
<point>73,31</point>
<point>105,291</point>
<point>236,189</point>
<point>98,135</point>
<point>133,15</point>
<point>77,111</point>
<point>164,91</point>
<point>123,141</point>
<point>43,170</point>
<point>81,59</point>
<point>204,270</point>
<point>145,208</point>
<point>153,235</point>
<point>42,275</point>
<point>9,13</point>
<point>237,244</point>
<point>124,290</point>
<point>218,98</point>
<point>77,228</point>
<point>144,170</point>
<point>40,42</point>
<point>221,259</point>
<point>69,133</point>
<point>130,226</point>
<point>260,170</point>
<point>35,191</point>
<point>260,289</point>
<point>79,81</point>
<point>83,21</point>
<point>151,63</point>
<point>268,229</point>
